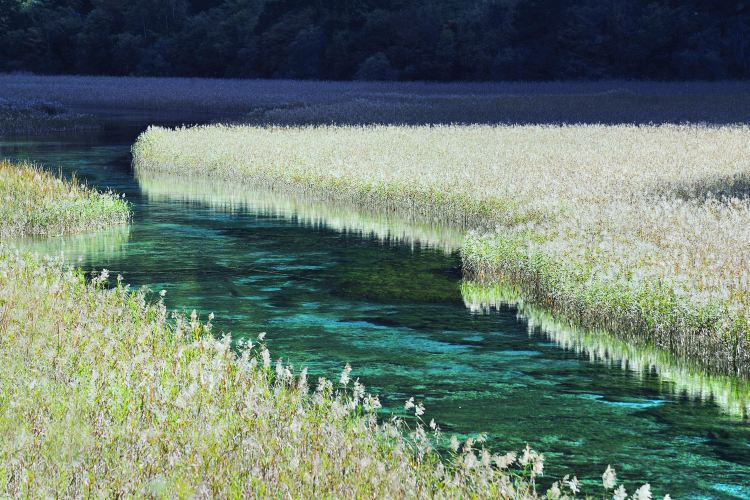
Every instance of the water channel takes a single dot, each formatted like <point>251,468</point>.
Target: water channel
<point>331,285</point>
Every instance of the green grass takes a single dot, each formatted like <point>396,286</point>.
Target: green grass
<point>35,202</point>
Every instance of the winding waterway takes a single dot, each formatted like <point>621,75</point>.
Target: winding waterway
<point>331,285</point>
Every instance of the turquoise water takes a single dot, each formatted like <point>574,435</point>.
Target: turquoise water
<point>331,285</point>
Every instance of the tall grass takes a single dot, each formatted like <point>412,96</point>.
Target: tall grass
<point>25,116</point>
<point>302,102</point>
<point>388,228</point>
<point>35,202</point>
<point>635,229</point>
<point>101,395</point>
<point>731,394</point>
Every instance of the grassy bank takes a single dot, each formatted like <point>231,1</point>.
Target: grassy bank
<point>629,228</point>
<point>26,116</point>
<point>35,202</point>
<point>102,395</point>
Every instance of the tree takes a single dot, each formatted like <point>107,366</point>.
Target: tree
<point>376,67</point>
<point>404,39</point>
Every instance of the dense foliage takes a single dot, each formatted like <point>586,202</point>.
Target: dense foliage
<point>388,39</point>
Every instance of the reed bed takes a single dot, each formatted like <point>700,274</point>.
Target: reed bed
<point>26,116</point>
<point>103,395</point>
<point>730,394</point>
<point>387,228</point>
<point>635,229</point>
<point>303,102</point>
<point>35,202</point>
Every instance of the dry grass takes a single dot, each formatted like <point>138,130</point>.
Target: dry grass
<point>35,202</point>
<point>629,228</point>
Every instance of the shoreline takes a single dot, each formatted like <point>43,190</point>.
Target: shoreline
<point>710,331</point>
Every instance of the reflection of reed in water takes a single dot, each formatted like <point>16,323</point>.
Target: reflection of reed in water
<point>731,394</point>
<point>99,246</point>
<point>228,197</point>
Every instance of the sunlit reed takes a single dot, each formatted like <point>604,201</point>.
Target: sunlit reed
<point>636,229</point>
<point>102,395</point>
<point>35,202</point>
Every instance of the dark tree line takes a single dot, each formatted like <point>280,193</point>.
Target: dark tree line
<point>380,39</point>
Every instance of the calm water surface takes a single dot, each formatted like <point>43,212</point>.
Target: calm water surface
<point>331,286</point>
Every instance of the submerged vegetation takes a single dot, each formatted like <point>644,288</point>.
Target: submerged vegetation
<point>629,228</point>
<point>102,395</point>
<point>35,202</point>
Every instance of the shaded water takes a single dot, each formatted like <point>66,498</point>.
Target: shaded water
<point>331,285</point>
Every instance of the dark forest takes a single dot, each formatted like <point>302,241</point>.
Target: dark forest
<point>440,40</point>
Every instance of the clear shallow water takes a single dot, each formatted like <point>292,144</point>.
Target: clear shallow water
<point>331,286</point>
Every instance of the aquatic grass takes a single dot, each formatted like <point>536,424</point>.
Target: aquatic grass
<point>390,168</point>
<point>35,202</point>
<point>634,229</point>
<point>103,394</point>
